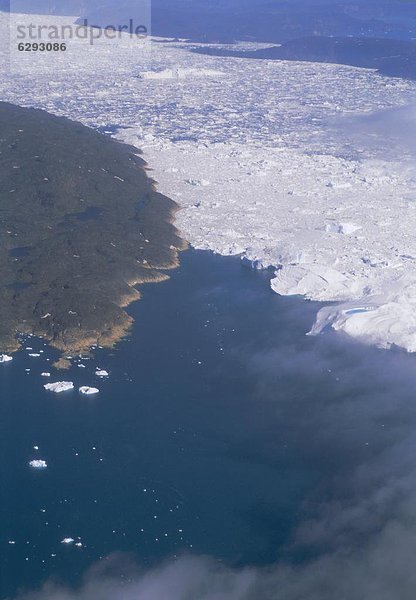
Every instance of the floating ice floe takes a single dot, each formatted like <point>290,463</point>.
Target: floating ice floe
<point>45,374</point>
<point>85,389</point>
<point>34,354</point>
<point>38,464</point>
<point>5,358</point>
<point>68,540</point>
<point>101,373</point>
<point>59,386</point>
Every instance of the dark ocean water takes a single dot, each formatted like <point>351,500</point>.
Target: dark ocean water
<point>219,419</point>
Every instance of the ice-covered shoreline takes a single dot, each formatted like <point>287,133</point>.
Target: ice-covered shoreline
<point>253,158</point>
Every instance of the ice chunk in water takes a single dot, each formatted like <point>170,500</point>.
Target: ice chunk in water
<point>59,386</point>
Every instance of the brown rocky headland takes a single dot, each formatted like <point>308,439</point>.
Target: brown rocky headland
<point>81,225</point>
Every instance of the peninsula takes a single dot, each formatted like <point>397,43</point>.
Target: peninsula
<point>81,225</point>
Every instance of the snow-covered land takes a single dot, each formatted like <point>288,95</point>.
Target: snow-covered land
<point>291,165</point>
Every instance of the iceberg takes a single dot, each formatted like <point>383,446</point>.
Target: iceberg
<point>59,386</point>
<point>68,540</point>
<point>344,228</point>
<point>5,358</point>
<point>101,373</point>
<point>384,320</point>
<point>85,389</point>
<point>315,282</point>
<point>38,464</point>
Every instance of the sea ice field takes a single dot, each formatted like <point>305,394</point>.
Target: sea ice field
<point>302,167</point>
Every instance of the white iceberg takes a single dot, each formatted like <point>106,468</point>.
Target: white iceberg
<point>45,374</point>
<point>85,389</point>
<point>5,358</point>
<point>67,540</point>
<point>101,373</point>
<point>59,386</point>
<point>178,73</point>
<point>344,228</point>
<point>383,320</point>
<point>316,282</point>
<point>38,464</point>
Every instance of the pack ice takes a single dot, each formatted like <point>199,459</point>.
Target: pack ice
<point>291,165</point>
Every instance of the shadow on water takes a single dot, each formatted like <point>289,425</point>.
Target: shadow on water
<point>221,429</point>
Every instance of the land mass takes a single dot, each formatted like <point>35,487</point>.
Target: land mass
<point>81,224</point>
